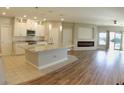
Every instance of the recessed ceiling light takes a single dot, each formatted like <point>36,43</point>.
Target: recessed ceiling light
<point>35,17</point>
<point>44,19</point>
<point>25,16</point>
<point>62,19</point>
<point>7,7</point>
<point>4,13</point>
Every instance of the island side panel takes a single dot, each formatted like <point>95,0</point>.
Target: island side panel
<point>32,58</point>
<point>52,57</point>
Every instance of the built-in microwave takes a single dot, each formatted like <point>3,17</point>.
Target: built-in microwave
<point>30,33</point>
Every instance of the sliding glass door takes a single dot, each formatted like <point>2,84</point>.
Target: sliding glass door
<point>115,40</point>
<point>117,43</point>
<point>110,40</point>
<point>102,38</point>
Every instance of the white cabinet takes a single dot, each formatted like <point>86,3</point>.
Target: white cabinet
<point>43,43</point>
<point>40,30</point>
<point>20,28</point>
<point>29,24</point>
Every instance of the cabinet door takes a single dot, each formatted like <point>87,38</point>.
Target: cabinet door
<point>40,30</point>
<point>23,29</point>
<point>20,29</point>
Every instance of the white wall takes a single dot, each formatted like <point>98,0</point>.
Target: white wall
<point>89,33</point>
<point>110,28</point>
<point>5,21</point>
<point>67,33</point>
<point>6,30</point>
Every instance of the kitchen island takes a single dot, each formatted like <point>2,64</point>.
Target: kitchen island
<point>44,56</point>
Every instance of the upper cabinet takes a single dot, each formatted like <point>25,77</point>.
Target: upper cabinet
<point>22,25</point>
<point>40,29</point>
<point>19,29</point>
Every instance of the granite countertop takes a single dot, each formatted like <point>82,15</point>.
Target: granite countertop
<point>39,48</point>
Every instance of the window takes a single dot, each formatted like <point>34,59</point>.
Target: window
<point>102,38</point>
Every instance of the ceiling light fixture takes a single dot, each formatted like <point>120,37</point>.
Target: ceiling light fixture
<point>35,17</point>
<point>4,13</point>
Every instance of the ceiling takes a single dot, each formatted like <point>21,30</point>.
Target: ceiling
<point>92,15</point>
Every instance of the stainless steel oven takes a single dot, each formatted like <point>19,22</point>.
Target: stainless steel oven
<point>30,33</point>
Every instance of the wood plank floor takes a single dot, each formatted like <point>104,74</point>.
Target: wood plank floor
<point>92,68</point>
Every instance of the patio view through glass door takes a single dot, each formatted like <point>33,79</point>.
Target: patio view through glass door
<point>115,40</point>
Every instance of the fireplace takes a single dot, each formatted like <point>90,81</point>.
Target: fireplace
<point>85,44</point>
